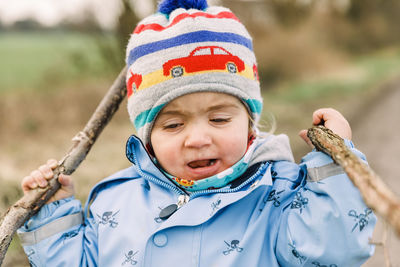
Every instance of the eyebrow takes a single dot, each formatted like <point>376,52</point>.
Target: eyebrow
<point>221,106</point>
<point>212,108</point>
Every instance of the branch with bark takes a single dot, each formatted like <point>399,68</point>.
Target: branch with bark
<point>376,194</point>
<point>29,204</point>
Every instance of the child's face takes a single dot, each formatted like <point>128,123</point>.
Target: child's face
<point>200,134</point>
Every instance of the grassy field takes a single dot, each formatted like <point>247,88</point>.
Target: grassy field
<point>50,83</point>
<point>34,61</point>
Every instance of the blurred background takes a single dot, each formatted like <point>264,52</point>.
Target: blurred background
<point>58,58</point>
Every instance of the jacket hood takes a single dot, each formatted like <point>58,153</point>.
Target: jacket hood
<point>272,148</point>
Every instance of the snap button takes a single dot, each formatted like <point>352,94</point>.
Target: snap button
<point>160,239</point>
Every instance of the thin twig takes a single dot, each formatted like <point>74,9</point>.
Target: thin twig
<point>385,245</point>
<point>29,204</point>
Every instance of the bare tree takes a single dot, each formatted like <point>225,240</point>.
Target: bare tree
<point>127,21</point>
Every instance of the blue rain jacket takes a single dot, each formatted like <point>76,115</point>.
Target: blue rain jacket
<point>276,214</point>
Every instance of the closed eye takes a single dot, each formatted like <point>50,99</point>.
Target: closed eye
<point>220,120</point>
<point>173,126</point>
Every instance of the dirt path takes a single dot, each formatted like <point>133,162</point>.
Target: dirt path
<point>377,133</point>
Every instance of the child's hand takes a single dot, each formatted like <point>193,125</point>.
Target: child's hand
<point>331,119</point>
<point>39,177</point>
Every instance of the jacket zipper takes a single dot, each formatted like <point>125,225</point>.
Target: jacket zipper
<point>182,200</point>
<point>184,197</point>
<point>177,190</point>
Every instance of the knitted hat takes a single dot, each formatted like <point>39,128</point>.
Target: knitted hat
<point>188,47</point>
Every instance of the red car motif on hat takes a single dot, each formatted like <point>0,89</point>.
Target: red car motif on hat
<point>133,82</point>
<point>255,72</point>
<point>204,58</point>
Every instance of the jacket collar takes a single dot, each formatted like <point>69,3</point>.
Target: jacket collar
<point>270,148</point>
<point>137,154</point>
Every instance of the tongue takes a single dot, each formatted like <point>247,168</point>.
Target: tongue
<point>199,163</point>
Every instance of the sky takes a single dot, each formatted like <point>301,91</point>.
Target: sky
<point>51,12</point>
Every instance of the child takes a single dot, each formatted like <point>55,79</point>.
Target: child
<point>206,188</point>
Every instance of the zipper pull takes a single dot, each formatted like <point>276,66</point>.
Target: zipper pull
<point>182,200</point>
<point>166,212</point>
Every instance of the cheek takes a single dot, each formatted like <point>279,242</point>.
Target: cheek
<point>165,151</point>
<point>235,143</point>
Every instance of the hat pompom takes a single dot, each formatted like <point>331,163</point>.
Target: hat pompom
<point>167,6</point>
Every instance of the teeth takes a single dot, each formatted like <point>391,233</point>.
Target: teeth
<point>202,163</point>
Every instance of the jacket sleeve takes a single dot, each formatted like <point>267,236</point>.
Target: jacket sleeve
<point>325,222</point>
<point>59,236</point>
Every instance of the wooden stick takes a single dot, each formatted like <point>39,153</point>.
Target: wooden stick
<point>29,204</point>
<point>375,192</point>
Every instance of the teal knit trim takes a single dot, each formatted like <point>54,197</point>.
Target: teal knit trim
<point>147,116</point>
<point>254,105</point>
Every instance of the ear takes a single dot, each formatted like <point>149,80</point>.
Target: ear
<point>150,150</point>
<point>250,138</point>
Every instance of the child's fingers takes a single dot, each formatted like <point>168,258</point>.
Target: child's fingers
<point>52,163</point>
<point>28,183</point>
<point>327,115</point>
<point>303,135</point>
<point>333,120</point>
<point>317,117</point>
<point>67,187</point>
<point>46,171</point>
<point>39,178</point>
<point>323,115</point>
<point>65,180</point>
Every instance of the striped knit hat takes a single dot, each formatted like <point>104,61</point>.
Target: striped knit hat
<point>188,47</point>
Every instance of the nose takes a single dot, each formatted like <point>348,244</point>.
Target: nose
<point>197,136</point>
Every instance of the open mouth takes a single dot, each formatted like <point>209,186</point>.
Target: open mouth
<point>201,163</point>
